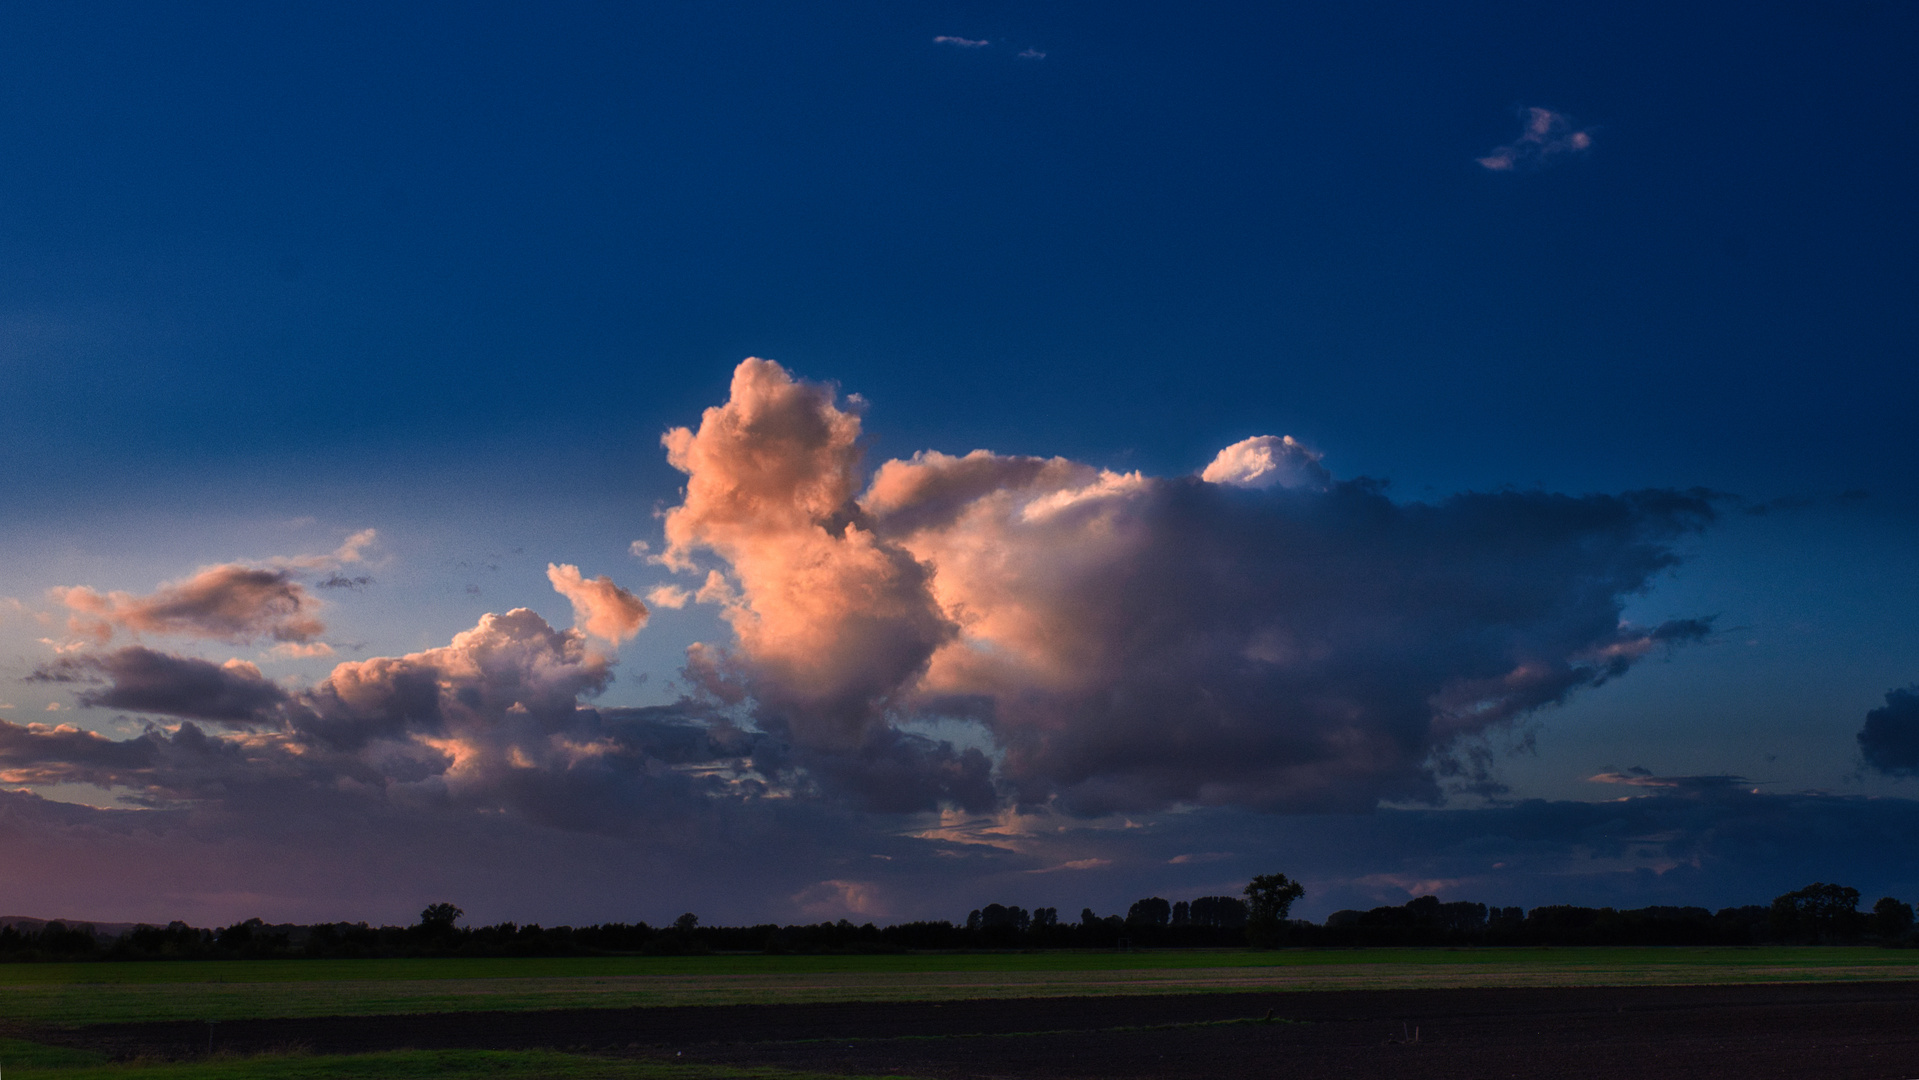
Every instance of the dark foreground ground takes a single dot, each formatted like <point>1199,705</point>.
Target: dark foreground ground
<point>1843,1031</point>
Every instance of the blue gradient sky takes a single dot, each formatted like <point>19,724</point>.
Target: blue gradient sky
<point>269,277</point>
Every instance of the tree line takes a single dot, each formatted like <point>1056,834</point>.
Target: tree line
<point>1819,914</point>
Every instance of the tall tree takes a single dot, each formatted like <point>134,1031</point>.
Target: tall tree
<point>1269,898</point>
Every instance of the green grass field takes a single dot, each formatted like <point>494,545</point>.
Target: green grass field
<point>30,1061</point>
<point>69,994</point>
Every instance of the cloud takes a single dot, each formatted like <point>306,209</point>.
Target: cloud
<point>1131,643</point>
<point>960,42</point>
<point>1031,54</point>
<point>668,596</point>
<point>288,650</point>
<point>838,899</point>
<point>1043,652</point>
<point>1642,778</point>
<point>231,602</point>
<point>1265,461</point>
<point>142,680</point>
<point>492,719</point>
<point>1890,738</point>
<point>1547,135</point>
<point>830,621</point>
<point>1074,864</point>
<point>600,607</point>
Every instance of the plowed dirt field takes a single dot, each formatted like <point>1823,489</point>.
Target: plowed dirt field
<point>1867,1031</point>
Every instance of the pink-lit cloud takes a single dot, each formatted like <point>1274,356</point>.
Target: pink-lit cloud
<point>838,899</point>
<point>668,596</point>
<point>1265,461</point>
<point>960,42</point>
<point>232,602</point>
<point>1547,135</point>
<point>834,621</point>
<point>601,608</point>
<point>1262,637</point>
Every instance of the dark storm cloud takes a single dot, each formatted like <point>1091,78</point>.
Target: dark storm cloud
<point>1712,843</point>
<point>142,680</point>
<point>1890,739</point>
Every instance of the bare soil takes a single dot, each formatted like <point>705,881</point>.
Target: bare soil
<point>1850,1031</point>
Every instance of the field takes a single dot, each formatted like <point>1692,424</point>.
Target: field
<point>1062,1015</point>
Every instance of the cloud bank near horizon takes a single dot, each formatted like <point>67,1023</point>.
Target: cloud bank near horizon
<point>946,664</point>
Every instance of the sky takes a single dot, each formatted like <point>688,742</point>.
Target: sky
<point>871,460</point>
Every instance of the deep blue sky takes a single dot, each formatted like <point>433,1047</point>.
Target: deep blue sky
<point>449,270</point>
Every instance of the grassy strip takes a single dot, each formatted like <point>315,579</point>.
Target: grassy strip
<point>328,971</point>
<point>29,1061</point>
<point>48,1001</point>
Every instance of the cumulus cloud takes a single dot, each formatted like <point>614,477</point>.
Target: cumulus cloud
<point>960,42</point>
<point>1890,738</point>
<point>831,622</point>
<point>231,602</point>
<point>494,720</point>
<point>1261,637</point>
<point>1547,135</point>
<point>600,607</point>
<point>1265,461</point>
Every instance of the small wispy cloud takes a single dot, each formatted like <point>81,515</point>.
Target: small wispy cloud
<point>299,650</point>
<point>960,42</point>
<point>668,596</point>
<point>1075,864</point>
<point>1031,54</point>
<point>1640,776</point>
<point>1547,135</point>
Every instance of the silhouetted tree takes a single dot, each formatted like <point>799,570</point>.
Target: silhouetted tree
<point>1818,912</point>
<point>1269,898</point>
<point>685,923</point>
<point>1182,913</point>
<point>440,917</point>
<point>1891,918</point>
<point>1227,912</point>
<point>1151,911</point>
